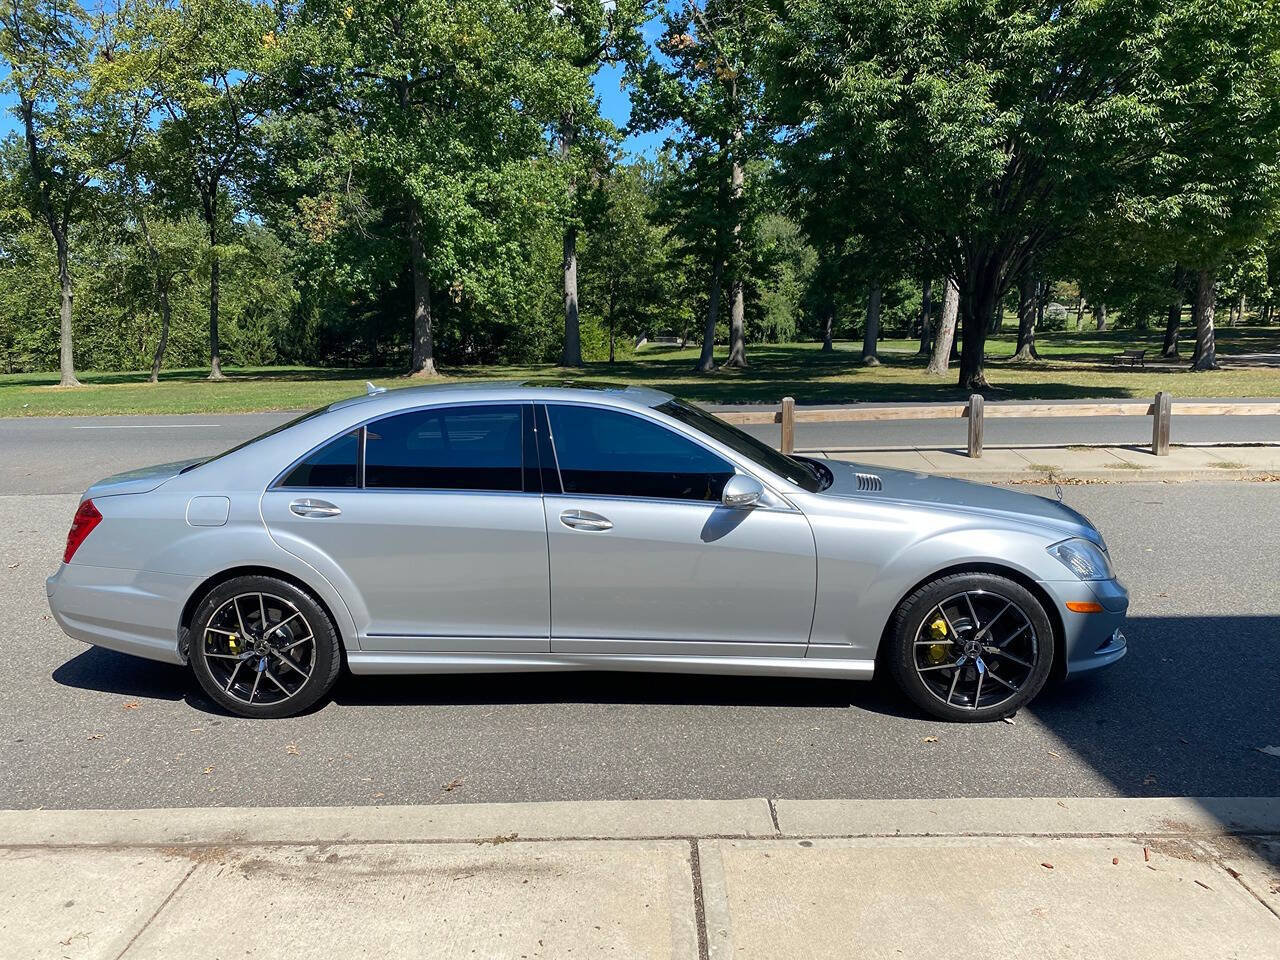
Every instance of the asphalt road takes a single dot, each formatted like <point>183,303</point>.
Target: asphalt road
<point>1185,713</point>
<point>66,454</point>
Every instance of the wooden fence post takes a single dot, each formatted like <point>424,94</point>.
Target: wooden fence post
<point>1160,416</point>
<point>974,413</point>
<point>788,425</point>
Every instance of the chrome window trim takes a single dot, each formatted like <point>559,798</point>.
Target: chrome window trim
<point>360,451</point>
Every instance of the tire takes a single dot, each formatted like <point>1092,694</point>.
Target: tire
<point>287,671</point>
<point>956,672</point>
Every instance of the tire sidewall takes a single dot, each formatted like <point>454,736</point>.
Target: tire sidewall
<point>328,654</point>
<point>910,617</point>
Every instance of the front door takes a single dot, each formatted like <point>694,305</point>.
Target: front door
<point>646,560</point>
<point>432,537</point>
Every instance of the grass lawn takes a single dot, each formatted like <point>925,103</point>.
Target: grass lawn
<point>1073,366</point>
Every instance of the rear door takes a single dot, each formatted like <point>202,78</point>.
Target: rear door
<point>646,560</point>
<point>430,525</point>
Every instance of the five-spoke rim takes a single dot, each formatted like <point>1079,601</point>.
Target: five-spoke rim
<point>259,648</point>
<point>975,650</point>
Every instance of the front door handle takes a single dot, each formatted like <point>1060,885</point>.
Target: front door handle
<point>308,507</point>
<point>585,520</point>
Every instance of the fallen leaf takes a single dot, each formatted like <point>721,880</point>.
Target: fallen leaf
<point>930,739</point>
<point>1203,884</point>
<point>131,705</point>
<point>1149,779</point>
<point>94,736</point>
<point>1056,756</point>
<point>1146,855</point>
<point>452,785</point>
<point>208,770</point>
<point>500,838</point>
<point>1047,865</point>
<point>15,566</point>
<point>291,749</point>
<point>1115,861</point>
<point>378,796</point>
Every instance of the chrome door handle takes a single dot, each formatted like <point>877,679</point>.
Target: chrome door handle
<point>585,520</point>
<point>307,507</point>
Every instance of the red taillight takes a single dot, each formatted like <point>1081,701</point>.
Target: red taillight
<point>86,518</point>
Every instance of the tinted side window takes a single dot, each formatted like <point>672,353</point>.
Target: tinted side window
<point>448,448</point>
<point>617,454</point>
<point>333,465</point>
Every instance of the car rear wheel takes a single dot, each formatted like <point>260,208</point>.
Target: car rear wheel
<point>971,647</point>
<point>263,648</point>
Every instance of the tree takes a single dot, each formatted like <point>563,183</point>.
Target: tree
<point>595,33</point>
<point>940,361</point>
<point>433,122</point>
<point>1028,298</point>
<point>75,128</point>
<point>629,273</point>
<point>1004,129</point>
<point>707,86</point>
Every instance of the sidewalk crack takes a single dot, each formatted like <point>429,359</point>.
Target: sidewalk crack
<point>151,919</point>
<point>773,815</point>
<point>699,911</point>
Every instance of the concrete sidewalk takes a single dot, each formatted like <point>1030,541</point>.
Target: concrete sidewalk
<point>1079,464</point>
<point>1078,878</point>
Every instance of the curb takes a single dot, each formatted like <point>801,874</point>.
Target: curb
<point>645,820</point>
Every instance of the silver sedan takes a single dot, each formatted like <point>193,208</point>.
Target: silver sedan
<point>522,527</point>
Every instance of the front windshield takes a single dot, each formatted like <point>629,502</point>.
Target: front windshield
<point>797,471</point>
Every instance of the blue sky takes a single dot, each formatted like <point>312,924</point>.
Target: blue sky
<point>614,101</point>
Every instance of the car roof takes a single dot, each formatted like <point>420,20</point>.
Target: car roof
<point>526,390</point>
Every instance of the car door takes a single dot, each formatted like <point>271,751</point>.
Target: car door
<point>646,560</point>
<point>425,523</point>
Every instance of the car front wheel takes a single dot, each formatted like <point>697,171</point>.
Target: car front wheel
<point>263,648</point>
<point>971,647</point>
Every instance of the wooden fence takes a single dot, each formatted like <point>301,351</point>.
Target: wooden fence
<point>1161,410</point>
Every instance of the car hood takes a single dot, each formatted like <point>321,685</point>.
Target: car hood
<point>945,493</point>
<point>141,480</point>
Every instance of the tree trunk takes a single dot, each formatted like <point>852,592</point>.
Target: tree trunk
<point>1080,312</point>
<point>1240,309</point>
<point>706,362</point>
<point>941,359</point>
<point>572,354</point>
<point>612,323</point>
<point>1173,326</point>
<point>737,313</point>
<point>165,313</point>
<point>423,362</point>
<point>978,305</point>
<point>66,356</point>
<point>827,329</point>
<point>871,333</point>
<point>926,308</point>
<point>1100,313</point>
<point>1028,287</point>
<point>1205,358</point>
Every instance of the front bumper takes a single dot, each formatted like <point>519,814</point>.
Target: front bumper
<point>130,611</point>
<point>1091,640</point>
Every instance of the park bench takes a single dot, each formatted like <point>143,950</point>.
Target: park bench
<point>1134,358</point>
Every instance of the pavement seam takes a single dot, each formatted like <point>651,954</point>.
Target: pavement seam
<point>150,920</point>
<point>1217,859</point>
<point>699,910</point>
<point>685,837</point>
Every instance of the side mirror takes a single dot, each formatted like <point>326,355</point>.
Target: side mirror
<point>742,492</point>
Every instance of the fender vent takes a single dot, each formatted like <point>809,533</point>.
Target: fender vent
<point>869,483</point>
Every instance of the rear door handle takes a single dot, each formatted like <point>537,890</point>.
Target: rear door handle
<point>307,507</point>
<point>585,520</point>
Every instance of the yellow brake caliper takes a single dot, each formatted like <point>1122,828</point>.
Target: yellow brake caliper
<point>937,652</point>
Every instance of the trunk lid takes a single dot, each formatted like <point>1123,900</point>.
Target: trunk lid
<point>141,480</point>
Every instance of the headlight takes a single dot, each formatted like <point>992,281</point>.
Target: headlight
<point>1083,558</point>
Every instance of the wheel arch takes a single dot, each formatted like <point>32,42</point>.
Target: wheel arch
<point>254,570</point>
<point>1059,670</point>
